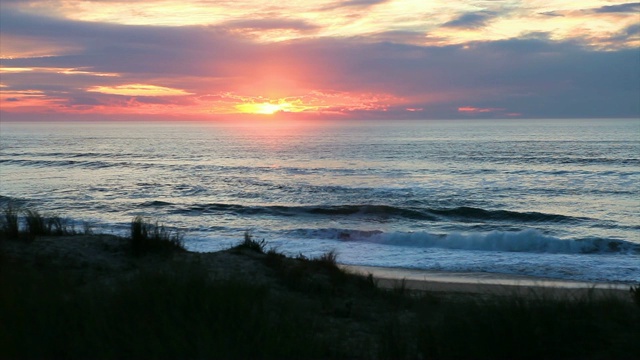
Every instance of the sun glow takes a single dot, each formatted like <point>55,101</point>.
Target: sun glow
<point>262,108</point>
<point>313,102</point>
<point>272,107</point>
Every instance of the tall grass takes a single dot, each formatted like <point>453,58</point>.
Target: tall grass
<point>181,312</point>
<point>312,310</point>
<point>9,225</point>
<point>525,328</point>
<point>635,294</point>
<point>47,225</point>
<point>147,238</point>
<point>176,314</point>
<point>35,224</point>
<point>249,243</point>
<point>320,274</point>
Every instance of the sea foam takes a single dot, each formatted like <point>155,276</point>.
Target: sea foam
<point>529,240</point>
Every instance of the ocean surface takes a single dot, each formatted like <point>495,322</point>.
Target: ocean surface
<point>557,199</point>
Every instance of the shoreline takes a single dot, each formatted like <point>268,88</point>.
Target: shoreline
<point>486,283</point>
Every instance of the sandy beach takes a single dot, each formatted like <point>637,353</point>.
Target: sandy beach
<point>486,283</point>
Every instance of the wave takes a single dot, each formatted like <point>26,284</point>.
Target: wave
<point>278,210</point>
<point>375,210</point>
<point>530,240</point>
<point>8,200</point>
<point>557,160</point>
<point>472,213</point>
<point>461,214</point>
<point>96,164</point>
<point>16,202</point>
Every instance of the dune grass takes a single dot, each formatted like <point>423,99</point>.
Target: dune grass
<point>182,312</point>
<point>147,238</point>
<point>176,308</point>
<point>35,224</point>
<point>635,294</point>
<point>517,327</point>
<point>249,243</point>
<point>178,313</point>
<point>9,226</point>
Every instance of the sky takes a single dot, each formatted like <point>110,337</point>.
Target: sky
<point>337,59</point>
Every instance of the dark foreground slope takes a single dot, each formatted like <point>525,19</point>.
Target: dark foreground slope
<point>96,296</point>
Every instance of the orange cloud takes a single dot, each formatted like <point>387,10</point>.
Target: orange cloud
<point>26,100</point>
<point>314,62</point>
<point>138,90</point>
<point>450,21</point>
<point>313,102</point>
<point>56,70</point>
<point>475,110</point>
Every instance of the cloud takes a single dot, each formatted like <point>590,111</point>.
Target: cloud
<point>83,101</point>
<point>621,8</point>
<point>185,69</point>
<point>551,13</point>
<point>361,2</point>
<point>398,36</point>
<point>471,20</point>
<point>271,24</point>
<point>632,30</point>
<point>138,90</point>
<point>354,3</point>
<point>471,109</point>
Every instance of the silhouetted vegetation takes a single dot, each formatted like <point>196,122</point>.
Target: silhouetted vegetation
<point>250,244</point>
<point>177,314</point>
<point>35,224</point>
<point>635,294</point>
<point>522,328</point>
<point>153,238</point>
<point>310,308</point>
<point>9,226</point>
<point>181,312</point>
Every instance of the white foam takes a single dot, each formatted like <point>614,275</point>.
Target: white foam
<point>529,240</point>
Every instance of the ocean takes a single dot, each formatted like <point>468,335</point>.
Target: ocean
<point>558,199</point>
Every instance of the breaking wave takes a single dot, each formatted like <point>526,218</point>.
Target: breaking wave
<point>528,240</point>
<point>462,214</point>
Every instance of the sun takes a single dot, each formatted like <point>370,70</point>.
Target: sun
<point>265,108</point>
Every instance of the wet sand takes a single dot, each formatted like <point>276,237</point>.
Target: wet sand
<point>487,283</point>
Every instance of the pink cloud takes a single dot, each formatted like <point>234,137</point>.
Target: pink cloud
<point>209,71</point>
<point>475,110</point>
